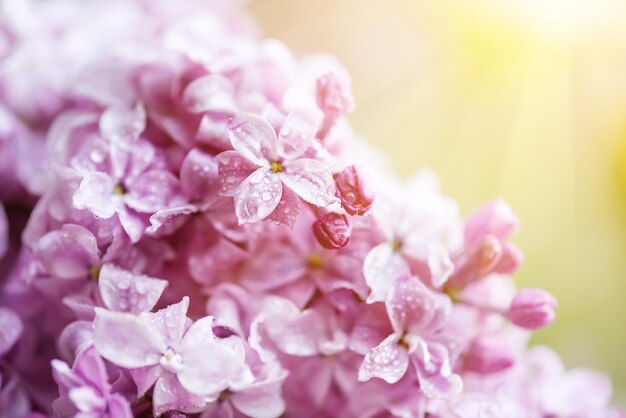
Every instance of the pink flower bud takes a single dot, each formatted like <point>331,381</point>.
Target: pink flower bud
<point>488,354</point>
<point>334,96</point>
<point>333,230</point>
<point>355,189</point>
<point>532,308</point>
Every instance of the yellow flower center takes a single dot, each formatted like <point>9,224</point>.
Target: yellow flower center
<point>119,189</point>
<point>276,166</point>
<point>94,272</point>
<point>315,261</point>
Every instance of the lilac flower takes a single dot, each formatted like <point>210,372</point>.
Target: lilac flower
<point>416,316</point>
<point>162,351</point>
<point>134,188</point>
<point>264,163</point>
<point>86,391</point>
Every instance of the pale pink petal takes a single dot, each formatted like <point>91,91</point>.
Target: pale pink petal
<point>119,407</point>
<point>212,92</point>
<point>435,372</point>
<point>233,170</point>
<point>169,395</point>
<point>258,196</point>
<point>170,322</point>
<point>295,136</point>
<point>287,210</point>
<point>311,180</point>
<point>261,401</point>
<point>388,361</point>
<point>145,377</point>
<point>10,329</point>
<point>410,305</point>
<point>293,332</point>
<point>439,264</point>
<point>253,137</point>
<point>68,253</point>
<point>153,190</point>
<point>203,377</point>
<point>371,327</point>
<point>86,399</point>
<point>133,223</point>
<point>381,267</point>
<point>199,176</point>
<point>90,367</point>
<point>124,291</point>
<point>96,193</point>
<point>122,126</point>
<point>167,221</point>
<point>273,266</point>
<point>74,339</point>
<point>127,340</point>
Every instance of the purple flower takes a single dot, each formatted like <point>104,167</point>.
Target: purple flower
<point>264,163</point>
<point>85,390</point>
<point>162,350</point>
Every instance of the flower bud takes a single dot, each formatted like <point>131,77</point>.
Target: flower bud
<point>488,354</point>
<point>355,189</point>
<point>333,230</point>
<point>532,308</point>
<point>334,96</point>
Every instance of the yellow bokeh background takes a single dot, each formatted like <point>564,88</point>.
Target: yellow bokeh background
<point>522,99</point>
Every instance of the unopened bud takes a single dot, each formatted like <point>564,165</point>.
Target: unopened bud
<point>333,230</point>
<point>334,96</point>
<point>356,190</point>
<point>532,308</point>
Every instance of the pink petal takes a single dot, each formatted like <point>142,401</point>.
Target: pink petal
<point>233,170</point>
<point>10,329</point>
<point>127,340</point>
<point>212,93</point>
<point>199,176</point>
<point>145,377</point>
<point>203,377</point>
<point>133,223</point>
<point>311,180</point>
<point>89,366</point>
<point>119,407</point>
<point>166,221</point>
<point>371,327</point>
<point>253,138</point>
<point>292,331</point>
<point>434,371</point>
<point>273,266</point>
<point>261,401</point>
<point>170,322</point>
<point>295,136</point>
<point>86,399</point>
<point>122,126</point>
<point>388,361</point>
<point>410,305</point>
<point>169,395</point>
<point>494,218</point>
<point>153,190</point>
<point>124,291</point>
<point>68,253</point>
<point>95,193</point>
<point>258,196</point>
<point>381,266</point>
<point>74,339</point>
<point>287,210</point>
<point>439,264</point>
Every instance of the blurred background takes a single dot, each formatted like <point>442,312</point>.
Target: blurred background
<point>522,99</point>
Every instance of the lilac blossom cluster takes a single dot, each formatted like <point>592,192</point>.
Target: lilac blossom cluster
<point>190,228</point>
